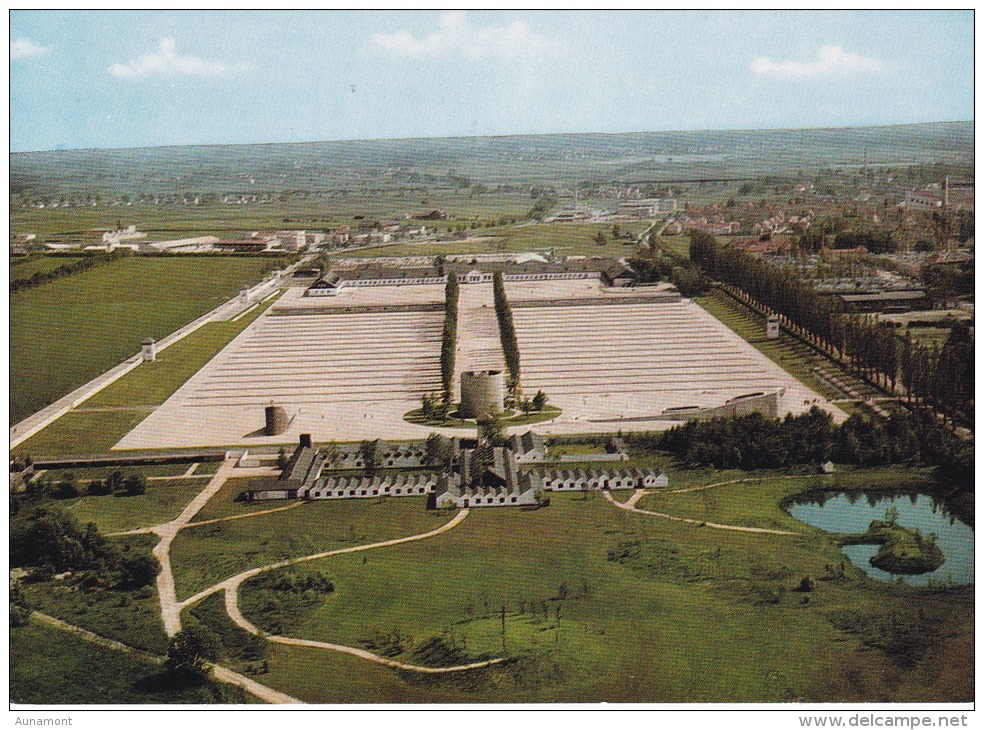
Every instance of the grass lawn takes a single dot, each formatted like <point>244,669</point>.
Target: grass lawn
<point>753,503</point>
<point>202,556</point>
<point>604,605</point>
<point>49,666</point>
<point>88,429</point>
<point>66,332</point>
<point>163,501</point>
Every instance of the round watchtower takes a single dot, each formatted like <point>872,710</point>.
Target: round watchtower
<point>482,392</point>
<point>276,420</point>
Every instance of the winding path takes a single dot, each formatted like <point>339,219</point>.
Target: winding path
<point>223,674</point>
<point>231,588</point>
<point>630,503</point>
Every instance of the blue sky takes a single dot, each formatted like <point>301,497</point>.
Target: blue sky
<point>143,78</point>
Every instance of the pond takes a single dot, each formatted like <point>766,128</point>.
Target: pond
<point>852,512</point>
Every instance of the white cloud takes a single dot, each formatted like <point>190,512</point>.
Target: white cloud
<point>830,61</point>
<point>457,37</point>
<point>167,61</point>
<point>24,48</point>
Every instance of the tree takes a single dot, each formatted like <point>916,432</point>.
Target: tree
<point>192,650</point>
<point>67,487</point>
<point>114,482</point>
<point>539,400</point>
<point>98,487</point>
<point>601,239</point>
<point>491,430</point>
<point>438,451</point>
<point>369,451</point>
<point>892,515</point>
<point>135,484</point>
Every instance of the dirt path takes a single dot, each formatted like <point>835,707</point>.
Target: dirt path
<point>170,609</point>
<point>699,523</point>
<point>295,505</point>
<point>223,674</point>
<point>231,588</point>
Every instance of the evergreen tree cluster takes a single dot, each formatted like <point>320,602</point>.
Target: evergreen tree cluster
<point>507,330</point>
<point>933,376</point>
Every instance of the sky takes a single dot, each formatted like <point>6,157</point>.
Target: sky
<point>109,79</point>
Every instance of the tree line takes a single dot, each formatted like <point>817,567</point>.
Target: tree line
<point>43,277</point>
<point>935,377</point>
<point>754,442</point>
<point>449,339</point>
<point>507,332</point>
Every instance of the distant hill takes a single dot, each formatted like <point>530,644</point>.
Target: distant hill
<point>491,160</point>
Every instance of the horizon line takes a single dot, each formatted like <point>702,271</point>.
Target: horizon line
<point>490,136</point>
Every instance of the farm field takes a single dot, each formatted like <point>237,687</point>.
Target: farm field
<point>51,666</point>
<point>594,595</point>
<point>64,333</point>
<point>104,419</point>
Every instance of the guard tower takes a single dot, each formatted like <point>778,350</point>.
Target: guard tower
<point>149,350</point>
<point>772,327</point>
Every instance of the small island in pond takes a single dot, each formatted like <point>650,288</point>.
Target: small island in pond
<point>902,551</point>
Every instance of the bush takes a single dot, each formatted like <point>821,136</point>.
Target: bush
<point>138,570</point>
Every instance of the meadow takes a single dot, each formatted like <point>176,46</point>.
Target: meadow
<point>591,603</point>
<point>66,332</point>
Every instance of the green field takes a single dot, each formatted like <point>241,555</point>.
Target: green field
<point>163,501</point>
<point>130,616</point>
<point>66,332</point>
<point>604,605</point>
<point>111,413</point>
<point>51,666</point>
